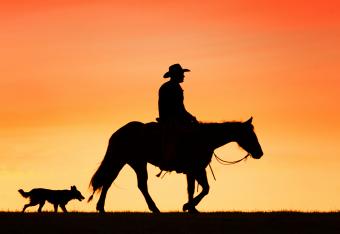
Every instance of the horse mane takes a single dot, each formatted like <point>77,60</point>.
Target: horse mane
<point>218,124</point>
<point>233,128</point>
<point>221,122</point>
<point>232,123</point>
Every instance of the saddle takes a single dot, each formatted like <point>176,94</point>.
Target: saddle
<point>172,139</point>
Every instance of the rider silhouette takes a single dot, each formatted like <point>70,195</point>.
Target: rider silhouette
<point>173,116</point>
<point>170,103</point>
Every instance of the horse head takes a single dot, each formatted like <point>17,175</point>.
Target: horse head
<point>247,140</point>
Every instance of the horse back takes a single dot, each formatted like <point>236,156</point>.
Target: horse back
<point>135,136</point>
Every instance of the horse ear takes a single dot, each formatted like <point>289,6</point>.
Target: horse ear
<point>249,120</point>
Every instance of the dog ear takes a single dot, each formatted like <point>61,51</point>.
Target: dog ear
<point>73,187</point>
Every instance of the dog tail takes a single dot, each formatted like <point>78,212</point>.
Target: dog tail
<point>23,193</point>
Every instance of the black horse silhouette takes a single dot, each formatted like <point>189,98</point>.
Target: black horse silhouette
<point>137,144</point>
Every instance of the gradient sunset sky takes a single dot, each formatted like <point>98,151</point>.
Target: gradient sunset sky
<point>72,72</point>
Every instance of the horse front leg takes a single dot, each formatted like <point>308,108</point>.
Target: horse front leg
<point>202,179</point>
<point>191,190</point>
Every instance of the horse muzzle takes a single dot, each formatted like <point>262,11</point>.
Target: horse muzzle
<point>257,155</point>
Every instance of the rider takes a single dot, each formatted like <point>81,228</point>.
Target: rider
<point>173,116</point>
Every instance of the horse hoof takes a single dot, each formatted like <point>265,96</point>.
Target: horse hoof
<point>156,211</point>
<point>190,209</point>
<point>193,211</point>
<point>186,207</point>
<point>101,210</point>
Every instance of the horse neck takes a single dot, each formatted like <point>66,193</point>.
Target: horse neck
<point>219,134</point>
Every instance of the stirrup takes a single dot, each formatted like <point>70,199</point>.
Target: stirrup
<point>159,174</point>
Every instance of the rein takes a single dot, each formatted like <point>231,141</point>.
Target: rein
<point>227,163</point>
<point>218,159</point>
<point>224,162</point>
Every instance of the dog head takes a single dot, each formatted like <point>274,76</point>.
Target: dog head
<point>76,194</point>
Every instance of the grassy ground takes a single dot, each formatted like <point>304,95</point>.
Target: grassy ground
<point>174,223</point>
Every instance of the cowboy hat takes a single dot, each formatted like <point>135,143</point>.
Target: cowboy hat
<point>175,69</point>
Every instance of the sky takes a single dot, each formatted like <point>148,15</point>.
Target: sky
<point>73,72</point>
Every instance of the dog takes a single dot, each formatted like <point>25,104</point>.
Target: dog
<point>55,197</point>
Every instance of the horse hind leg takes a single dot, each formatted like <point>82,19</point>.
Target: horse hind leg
<point>114,173</point>
<point>142,178</point>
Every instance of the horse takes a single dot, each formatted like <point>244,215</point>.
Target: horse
<point>137,144</point>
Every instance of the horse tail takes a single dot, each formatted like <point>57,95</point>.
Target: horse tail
<point>101,175</point>
<point>113,161</point>
<point>108,169</point>
<point>90,198</point>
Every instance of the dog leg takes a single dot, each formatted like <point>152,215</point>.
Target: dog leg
<point>63,208</point>
<point>55,208</point>
<point>41,204</point>
<point>32,203</point>
<point>25,206</point>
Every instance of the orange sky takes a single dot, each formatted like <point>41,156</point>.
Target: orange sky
<point>72,72</point>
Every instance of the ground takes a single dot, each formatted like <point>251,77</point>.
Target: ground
<point>174,223</point>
